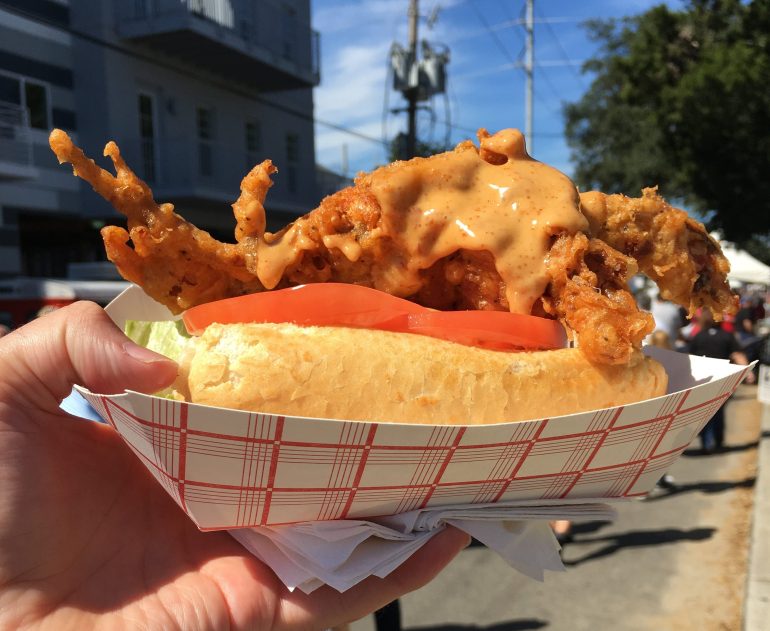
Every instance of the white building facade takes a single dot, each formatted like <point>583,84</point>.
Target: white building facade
<point>195,92</point>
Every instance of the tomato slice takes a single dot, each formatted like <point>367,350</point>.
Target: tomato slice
<point>318,304</point>
<point>497,330</point>
<point>338,304</point>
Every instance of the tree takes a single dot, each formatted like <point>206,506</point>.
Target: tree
<point>422,149</point>
<point>682,99</point>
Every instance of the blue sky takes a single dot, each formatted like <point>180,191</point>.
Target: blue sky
<point>356,37</point>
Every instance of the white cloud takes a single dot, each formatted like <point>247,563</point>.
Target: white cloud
<point>353,15</point>
<point>353,84</point>
<point>355,41</point>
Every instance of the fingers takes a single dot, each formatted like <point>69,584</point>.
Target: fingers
<point>326,607</point>
<point>78,344</point>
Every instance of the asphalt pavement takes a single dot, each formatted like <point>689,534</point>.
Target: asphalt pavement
<point>677,560</point>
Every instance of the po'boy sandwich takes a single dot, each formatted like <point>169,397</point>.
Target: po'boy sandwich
<point>474,286</point>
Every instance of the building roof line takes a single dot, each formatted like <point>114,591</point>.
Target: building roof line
<point>154,60</point>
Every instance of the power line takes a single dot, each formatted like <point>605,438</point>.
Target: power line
<point>546,63</point>
<point>548,82</point>
<point>492,33</point>
<point>514,63</point>
<point>472,132</point>
<point>563,53</point>
<point>513,22</point>
<point>229,87</point>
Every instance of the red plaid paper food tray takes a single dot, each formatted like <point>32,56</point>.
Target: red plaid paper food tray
<point>232,469</point>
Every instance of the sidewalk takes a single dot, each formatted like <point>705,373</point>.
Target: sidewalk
<point>757,607</point>
<point>676,561</point>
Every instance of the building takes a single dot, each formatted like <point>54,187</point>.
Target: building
<point>329,182</point>
<point>195,92</point>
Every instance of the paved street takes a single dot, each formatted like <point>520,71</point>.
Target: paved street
<point>673,562</point>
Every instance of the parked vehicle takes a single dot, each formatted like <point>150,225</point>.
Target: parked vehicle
<point>24,299</point>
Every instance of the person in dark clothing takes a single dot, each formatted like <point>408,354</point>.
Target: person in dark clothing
<point>712,341</point>
<point>389,617</point>
<point>745,320</point>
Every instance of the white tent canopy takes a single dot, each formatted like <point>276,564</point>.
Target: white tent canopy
<point>745,268</point>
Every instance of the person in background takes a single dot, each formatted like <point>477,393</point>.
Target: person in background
<point>89,539</point>
<point>643,300</point>
<point>712,341</point>
<point>661,340</point>
<point>668,317</point>
<point>4,330</point>
<point>745,321</point>
<point>728,323</point>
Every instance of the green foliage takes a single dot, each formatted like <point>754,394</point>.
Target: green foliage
<point>422,149</point>
<point>682,99</point>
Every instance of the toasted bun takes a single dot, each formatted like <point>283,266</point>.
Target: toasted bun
<point>360,374</point>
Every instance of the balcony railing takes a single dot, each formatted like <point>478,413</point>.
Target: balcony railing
<point>255,41</point>
<point>15,143</point>
<point>194,172</point>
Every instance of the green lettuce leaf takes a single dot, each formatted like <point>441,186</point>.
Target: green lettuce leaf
<point>168,338</point>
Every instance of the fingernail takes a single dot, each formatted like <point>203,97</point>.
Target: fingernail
<point>143,354</point>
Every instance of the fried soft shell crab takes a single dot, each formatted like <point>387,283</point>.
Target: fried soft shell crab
<point>484,228</point>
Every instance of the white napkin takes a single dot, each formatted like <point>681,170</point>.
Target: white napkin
<point>344,552</point>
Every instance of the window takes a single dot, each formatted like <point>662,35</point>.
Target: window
<point>289,32</point>
<point>147,136</point>
<point>37,104</point>
<point>253,139</point>
<point>205,126</point>
<point>141,10</point>
<point>10,90</point>
<point>205,120</point>
<point>31,96</point>
<point>292,159</point>
<point>292,148</point>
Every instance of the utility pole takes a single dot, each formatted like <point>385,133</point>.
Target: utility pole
<point>411,95</point>
<point>529,63</point>
<point>418,80</point>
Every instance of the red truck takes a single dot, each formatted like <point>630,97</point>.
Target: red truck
<point>24,299</point>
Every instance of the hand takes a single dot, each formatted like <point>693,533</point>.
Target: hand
<point>89,539</point>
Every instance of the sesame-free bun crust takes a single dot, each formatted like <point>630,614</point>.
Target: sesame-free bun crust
<point>368,375</point>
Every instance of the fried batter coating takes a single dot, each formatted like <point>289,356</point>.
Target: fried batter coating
<point>172,260</point>
<point>249,209</point>
<point>670,247</point>
<point>589,292</point>
<point>343,240</point>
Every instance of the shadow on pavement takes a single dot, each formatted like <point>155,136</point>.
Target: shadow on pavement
<point>588,527</point>
<point>726,449</point>
<point>510,625</point>
<point>703,487</point>
<point>743,394</point>
<point>637,539</point>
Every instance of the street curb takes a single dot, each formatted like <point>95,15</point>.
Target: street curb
<point>756,611</point>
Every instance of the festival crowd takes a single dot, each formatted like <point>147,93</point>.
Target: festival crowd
<point>742,339</point>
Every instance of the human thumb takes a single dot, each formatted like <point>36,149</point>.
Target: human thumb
<point>79,344</point>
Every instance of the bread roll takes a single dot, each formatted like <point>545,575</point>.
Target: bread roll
<point>361,374</point>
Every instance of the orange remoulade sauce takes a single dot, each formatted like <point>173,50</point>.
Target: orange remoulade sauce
<point>493,198</point>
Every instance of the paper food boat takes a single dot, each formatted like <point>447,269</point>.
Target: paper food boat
<point>231,469</point>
